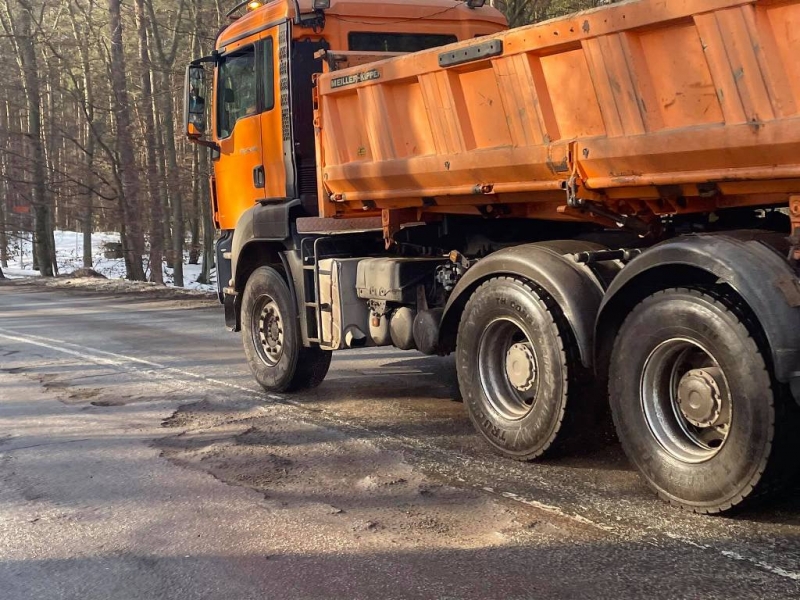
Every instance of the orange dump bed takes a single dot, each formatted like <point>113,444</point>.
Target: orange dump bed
<point>649,107</point>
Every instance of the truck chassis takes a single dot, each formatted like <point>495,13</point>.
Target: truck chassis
<point>631,249</point>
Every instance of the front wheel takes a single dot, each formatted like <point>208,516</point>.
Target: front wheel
<point>271,337</point>
<point>694,404</point>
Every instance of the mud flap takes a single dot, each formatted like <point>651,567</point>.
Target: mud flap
<point>231,303</point>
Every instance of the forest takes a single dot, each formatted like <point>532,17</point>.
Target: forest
<point>90,133</point>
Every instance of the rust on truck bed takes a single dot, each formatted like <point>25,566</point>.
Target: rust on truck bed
<point>644,108</point>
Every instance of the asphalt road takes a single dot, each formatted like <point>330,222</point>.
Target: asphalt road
<point>139,460</point>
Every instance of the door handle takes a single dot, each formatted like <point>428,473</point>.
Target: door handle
<point>259,177</point>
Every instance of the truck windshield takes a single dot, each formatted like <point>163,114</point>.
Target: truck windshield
<point>397,42</point>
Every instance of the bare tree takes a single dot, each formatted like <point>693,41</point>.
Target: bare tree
<point>4,221</point>
<point>166,51</point>
<point>148,133</point>
<point>89,133</point>
<point>133,239</point>
<point>16,17</point>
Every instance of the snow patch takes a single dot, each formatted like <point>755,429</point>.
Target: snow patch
<point>69,257</point>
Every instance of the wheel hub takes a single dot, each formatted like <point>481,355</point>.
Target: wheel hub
<point>273,331</point>
<point>269,330</point>
<point>700,396</point>
<point>686,400</point>
<point>521,367</point>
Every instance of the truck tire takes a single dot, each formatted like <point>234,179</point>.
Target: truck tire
<point>695,406</point>
<point>271,336</point>
<point>515,363</point>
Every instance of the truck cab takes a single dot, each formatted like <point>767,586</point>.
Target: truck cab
<point>260,126</point>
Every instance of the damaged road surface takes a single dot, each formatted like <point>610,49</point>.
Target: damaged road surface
<point>138,459</point>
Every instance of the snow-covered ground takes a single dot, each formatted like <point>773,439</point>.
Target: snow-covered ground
<point>69,255</point>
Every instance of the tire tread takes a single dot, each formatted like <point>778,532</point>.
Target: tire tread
<point>568,425</point>
<point>777,470</point>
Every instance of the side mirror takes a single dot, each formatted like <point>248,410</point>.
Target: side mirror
<point>195,107</point>
<point>194,102</point>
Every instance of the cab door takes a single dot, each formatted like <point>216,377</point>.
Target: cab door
<point>238,166</point>
<point>273,128</point>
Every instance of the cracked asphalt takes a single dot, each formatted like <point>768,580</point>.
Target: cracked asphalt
<point>138,459</point>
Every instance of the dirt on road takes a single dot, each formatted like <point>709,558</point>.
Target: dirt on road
<point>362,494</point>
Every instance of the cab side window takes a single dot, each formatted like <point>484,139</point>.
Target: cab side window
<point>238,90</point>
<point>396,42</point>
<point>269,74</point>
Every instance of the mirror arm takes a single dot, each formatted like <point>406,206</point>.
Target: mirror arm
<point>207,143</point>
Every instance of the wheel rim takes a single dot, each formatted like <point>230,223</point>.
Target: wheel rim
<point>268,331</point>
<point>686,400</point>
<point>508,369</point>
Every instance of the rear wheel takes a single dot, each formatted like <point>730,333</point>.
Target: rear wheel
<point>515,367</point>
<point>695,406</point>
<point>271,336</point>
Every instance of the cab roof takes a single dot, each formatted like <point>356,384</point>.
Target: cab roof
<point>377,12</point>
<point>448,10</point>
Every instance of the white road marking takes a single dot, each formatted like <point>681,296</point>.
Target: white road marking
<point>557,511</point>
<point>115,360</point>
<point>120,360</point>
<point>793,575</point>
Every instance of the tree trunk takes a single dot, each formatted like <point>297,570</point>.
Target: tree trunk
<point>194,221</point>
<point>133,238</point>
<point>3,226</point>
<point>52,243</point>
<point>151,167</point>
<point>173,178</point>
<point>5,195</point>
<point>167,112</point>
<point>19,26</point>
<point>87,216</point>
<point>208,233</point>
<point>163,192</point>
<point>86,228</point>
<point>49,145</point>
<point>203,171</point>
<point>36,262</point>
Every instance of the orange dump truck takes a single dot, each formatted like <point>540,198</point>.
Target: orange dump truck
<point>600,209</point>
